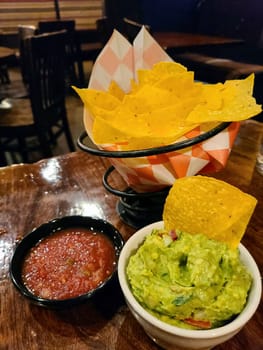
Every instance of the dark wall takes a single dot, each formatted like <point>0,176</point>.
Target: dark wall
<point>115,10</point>
<point>165,15</point>
<point>232,18</point>
<point>161,15</point>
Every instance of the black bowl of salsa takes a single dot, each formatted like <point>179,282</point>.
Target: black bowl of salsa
<point>66,261</point>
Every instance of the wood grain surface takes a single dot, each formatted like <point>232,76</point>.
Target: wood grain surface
<point>31,194</point>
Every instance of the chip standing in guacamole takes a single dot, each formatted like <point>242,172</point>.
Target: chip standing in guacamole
<point>188,280</point>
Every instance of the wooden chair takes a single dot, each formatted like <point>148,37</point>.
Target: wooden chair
<point>4,75</point>
<point>75,71</point>
<point>27,126</point>
<point>24,31</point>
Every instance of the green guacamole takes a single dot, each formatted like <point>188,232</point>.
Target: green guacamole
<point>188,280</point>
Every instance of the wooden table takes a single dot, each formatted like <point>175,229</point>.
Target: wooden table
<point>178,41</point>
<point>72,184</point>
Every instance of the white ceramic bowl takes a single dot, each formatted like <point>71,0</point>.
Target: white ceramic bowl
<point>175,338</point>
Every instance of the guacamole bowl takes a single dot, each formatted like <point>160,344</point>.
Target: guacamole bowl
<point>173,337</point>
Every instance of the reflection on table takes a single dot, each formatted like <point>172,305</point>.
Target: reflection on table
<point>31,194</point>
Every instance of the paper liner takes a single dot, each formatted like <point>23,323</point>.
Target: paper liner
<point>119,61</point>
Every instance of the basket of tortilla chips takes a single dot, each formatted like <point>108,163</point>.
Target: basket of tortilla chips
<point>139,98</point>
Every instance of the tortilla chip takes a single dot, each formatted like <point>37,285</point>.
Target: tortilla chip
<point>179,84</point>
<point>160,70</point>
<point>228,102</point>
<point>116,91</point>
<point>168,68</point>
<point>108,127</point>
<point>164,104</point>
<point>142,128</point>
<point>97,98</point>
<point>205,205</point>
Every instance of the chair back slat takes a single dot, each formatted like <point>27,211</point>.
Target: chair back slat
<point>24,31</point>
<point>46,70</point>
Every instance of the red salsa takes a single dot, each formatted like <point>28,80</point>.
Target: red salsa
<point>69,263</point>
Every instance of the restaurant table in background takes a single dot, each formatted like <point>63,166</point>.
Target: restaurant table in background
<point>175,42</point>
<point>71,184</point>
